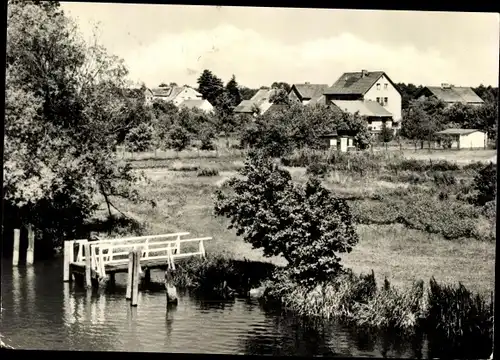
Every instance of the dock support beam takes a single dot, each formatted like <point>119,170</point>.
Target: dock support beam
<point>88,278</point>
<point>69,255</point>
<point>15,255</point>
<point>30,255</point>
<point>170,287</point>
<point>130,274</point>
<point>135,277</point>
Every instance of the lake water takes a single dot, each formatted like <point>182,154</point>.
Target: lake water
<point>42,312</point>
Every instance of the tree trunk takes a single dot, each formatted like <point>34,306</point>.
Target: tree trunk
<point>107,201</point>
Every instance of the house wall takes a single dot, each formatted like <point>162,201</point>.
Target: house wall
<point>206,106</point>
<point>186,94</point>
<point>474,140</point>
<point>391,93</point>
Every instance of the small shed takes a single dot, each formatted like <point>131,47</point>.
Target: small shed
<point>341,140</point>
<point>462,138</point>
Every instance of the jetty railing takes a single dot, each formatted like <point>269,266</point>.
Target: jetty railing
<point>97,254</point>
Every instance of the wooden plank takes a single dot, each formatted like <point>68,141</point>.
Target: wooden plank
<point>15,255</point>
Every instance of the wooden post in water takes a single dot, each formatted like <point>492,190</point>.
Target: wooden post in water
<point>68,259</point>
<point>88,269</point>
<point>15,255</point>
<point>170,287</point>
<point>31,245</point>
<point>135,277</point>
<point>128,294</point>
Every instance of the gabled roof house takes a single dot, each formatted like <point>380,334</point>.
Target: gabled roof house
<point>451,94</point>
<point>307,93</point>
<point>176,94</point>
<point>371,93</point>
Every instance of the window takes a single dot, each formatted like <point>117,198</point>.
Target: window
<point>385,86</point>
<point>378,100</point>
<point>378,86</point>
<point>385,101</point>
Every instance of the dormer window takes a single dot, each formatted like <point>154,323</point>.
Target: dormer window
<point>378,86</point>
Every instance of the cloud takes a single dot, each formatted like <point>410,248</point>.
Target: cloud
<point>259,60</point>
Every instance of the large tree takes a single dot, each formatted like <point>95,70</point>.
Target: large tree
<point>210,86</point>
<point>233,91</point>
<point>307,225</point>
<point>64,106</point>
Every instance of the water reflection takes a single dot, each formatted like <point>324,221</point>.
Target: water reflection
<point>16,291</point>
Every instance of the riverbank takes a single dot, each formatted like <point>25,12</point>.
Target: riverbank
<point>414,219</point>
<point>454,246</point>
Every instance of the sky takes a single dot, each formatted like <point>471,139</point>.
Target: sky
<point>175,43</point>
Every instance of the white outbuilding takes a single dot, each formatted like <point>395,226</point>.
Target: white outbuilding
<point>463,138</point>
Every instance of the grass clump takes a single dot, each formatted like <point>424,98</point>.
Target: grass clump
<point>207,172</point>
<point>179,166</point>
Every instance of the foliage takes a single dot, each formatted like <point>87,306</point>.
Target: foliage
<point>454,313</point>
<point>422,119</point>
<point>307,225</point>
<point>140,138</point>
<point>317,169</point>
<point>210,86</point>
<point>233,91</point>
<point>64,108</point>
<point>485,183</point>
<point>208,172</point>
<point>178,138</point>
<point>386,135</point>
<point>279,97</point>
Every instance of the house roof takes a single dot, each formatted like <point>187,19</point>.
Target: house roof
<point>195,103</point>
<point>310,91</point>
<point>245,106</point>
<point>354,83</point>
<point>260,99</point>
<point>169,92</point>
<point>364,107</point>
<point>455,131</point>
<point>455,94</point>
<point>317,100</point>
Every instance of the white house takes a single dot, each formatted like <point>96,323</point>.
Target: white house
<point>463,138</point>
<point>176,94</point>
<point>368,87</point>
<point>201,104</point>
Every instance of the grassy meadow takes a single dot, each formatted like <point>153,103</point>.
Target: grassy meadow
<point>182,190</point>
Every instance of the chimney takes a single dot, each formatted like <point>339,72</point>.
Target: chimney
<point>364,73</point>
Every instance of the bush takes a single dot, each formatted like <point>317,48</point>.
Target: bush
<point>444,179</point>
<point>208,172</point>
<point>178,138</point>
<point>317,169</point>
<point>485,183</point>
<point>139,138</point>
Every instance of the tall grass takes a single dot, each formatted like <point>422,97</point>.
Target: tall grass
<point>452,313</point>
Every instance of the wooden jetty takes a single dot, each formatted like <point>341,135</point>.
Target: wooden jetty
<point>102,259</point>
